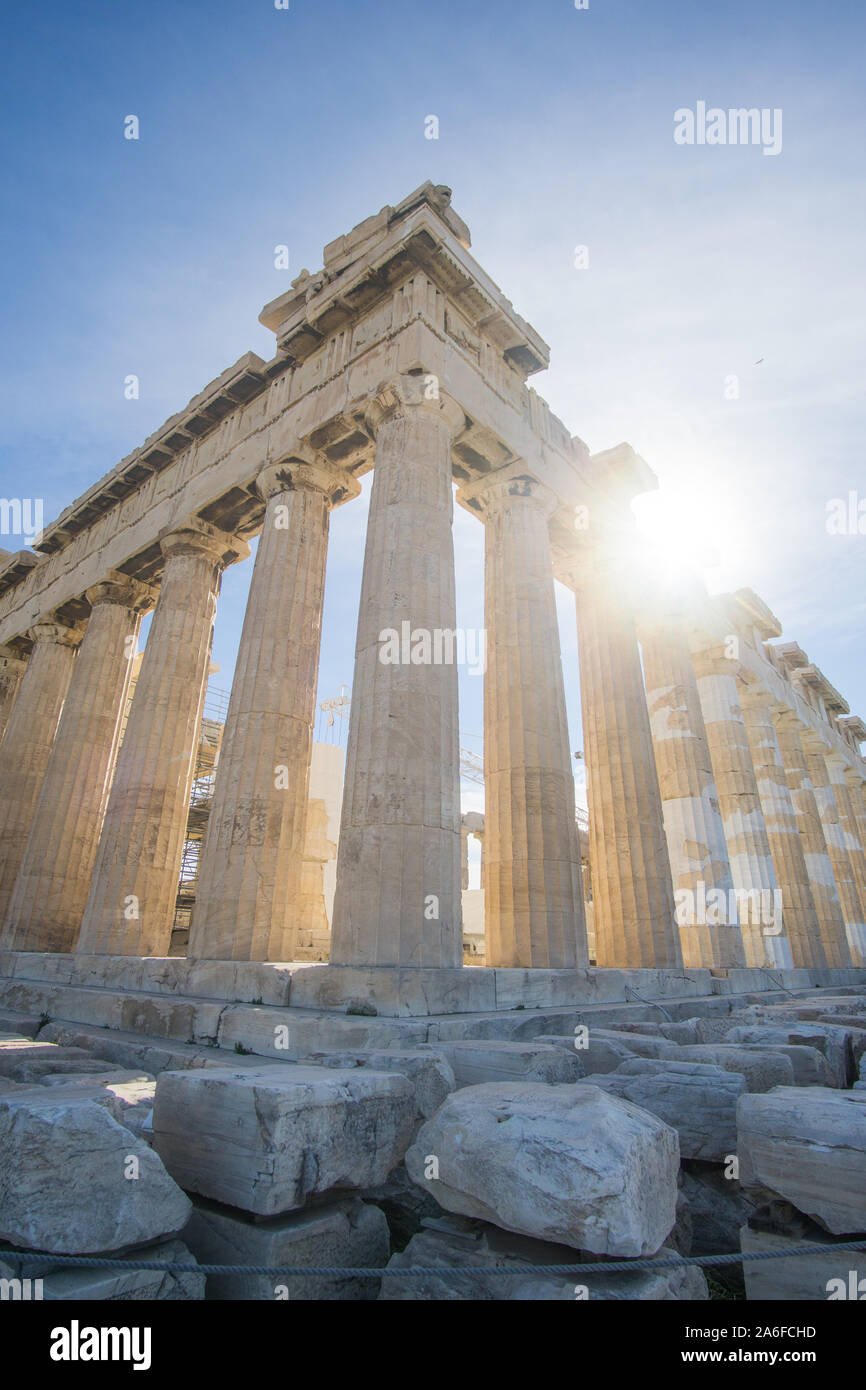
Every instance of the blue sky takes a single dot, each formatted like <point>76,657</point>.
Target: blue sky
<point>261,127</point>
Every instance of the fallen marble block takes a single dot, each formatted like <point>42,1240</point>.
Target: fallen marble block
<point>808,1146</point>
<point>832,1042</point>
<point>482,1245</point>
<point>427,1069</point>
<point>827,1277</point>
<point>568,1164</point>
<point>343,1233</point>
<point>74,1181</point>
<point>478,1061</point>
<point>762,1070</point>
<point>130,1285</point>
<point>599,1057</point>
<point>266,1139</point>
<point>697,1100</point>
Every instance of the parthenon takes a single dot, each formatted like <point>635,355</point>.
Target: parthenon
<point>726,786</point>
<point>714,756</point>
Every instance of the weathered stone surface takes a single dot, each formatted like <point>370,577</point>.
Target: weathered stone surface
<point>476,1062</point>
<point>698,1101</point>
<point>809,1146</point>
<point>130,1285</point>
<point>342,1233</point>
<point>833,1043</point>
<point>762,1070</point>
<point>813,1277</point>
<point>429,1071</point>
<point>265,1139</point>
<point>64,1184</point>
<point>469,1244</point>
<point>126,1095</point>
<point>599,1057</point>
<point>811,1067</point>
<point>563,1163</point>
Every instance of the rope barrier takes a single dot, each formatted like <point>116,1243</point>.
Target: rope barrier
<point>418,1272</point>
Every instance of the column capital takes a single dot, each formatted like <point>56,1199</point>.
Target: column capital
<point>195,536</point>
<point>307,469</point>
<point>123,590</point>
<point>488,494</point>
<point>50,630</point>
<point>406,393</point>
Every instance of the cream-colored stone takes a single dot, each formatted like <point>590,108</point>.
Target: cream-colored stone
<point>398,874</point>
<point>532,886</point>
<point>249,883</point>
<point>53,882</point>
<point>130,908</point>
<point>27,742</point>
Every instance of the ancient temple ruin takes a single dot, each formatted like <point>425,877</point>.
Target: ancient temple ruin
<point>726,837</point>
<point>723,764</point>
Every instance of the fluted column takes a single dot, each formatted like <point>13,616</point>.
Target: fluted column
<point>27,743</point>
<point>634,914</point>
<point>397,898</point>
<point>703,884</point>
<point>849,825</point>
<point>822,880</point>
<point>840,851</point>
<point>464,858</point>
<point>249,882</point>
<point>746,836</point>
<point>130,908</point>
<point>799,914</point>
<point>51,889</point>
<point>533,898</point>
<point>12,669</point>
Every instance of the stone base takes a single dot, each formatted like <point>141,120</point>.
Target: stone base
<point>396,991</point>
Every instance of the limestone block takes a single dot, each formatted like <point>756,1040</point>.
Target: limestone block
<point>762,1070</point>
<point>342,1233</point>
<point>429,1071</point>
<point>265,1139</point>
<point>832,1042</point>
<point>698,1101</point>
<point>259,1028</point>
<point>562,1163</point>
<point>641,1046</point>
<point>803,1277</point>
<point>809,1146</point>
<point>476,1062</point>
<point>126,1095</point>
<point>475,1243</point>
<point>598,1058</point>
<point>811,1067</point>
<point>129,1285</point>
<point>64,1184</point>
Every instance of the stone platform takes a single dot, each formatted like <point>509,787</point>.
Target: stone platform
<point>182,1009</point>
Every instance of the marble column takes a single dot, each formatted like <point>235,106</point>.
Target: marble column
<point>822,880</point>
<point>51,889</point>
<point>533,897</point>
<point>837,769</point>
<point>397,898</point>
<point>12,669</point>
<point>840,850</point>
<point>703,885</point>
<point>634,914</point>
<point>27,743</point>
<point>746,836</point>
<point>799,914</point>
<point>130,908</point>
<point>248,904</point>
